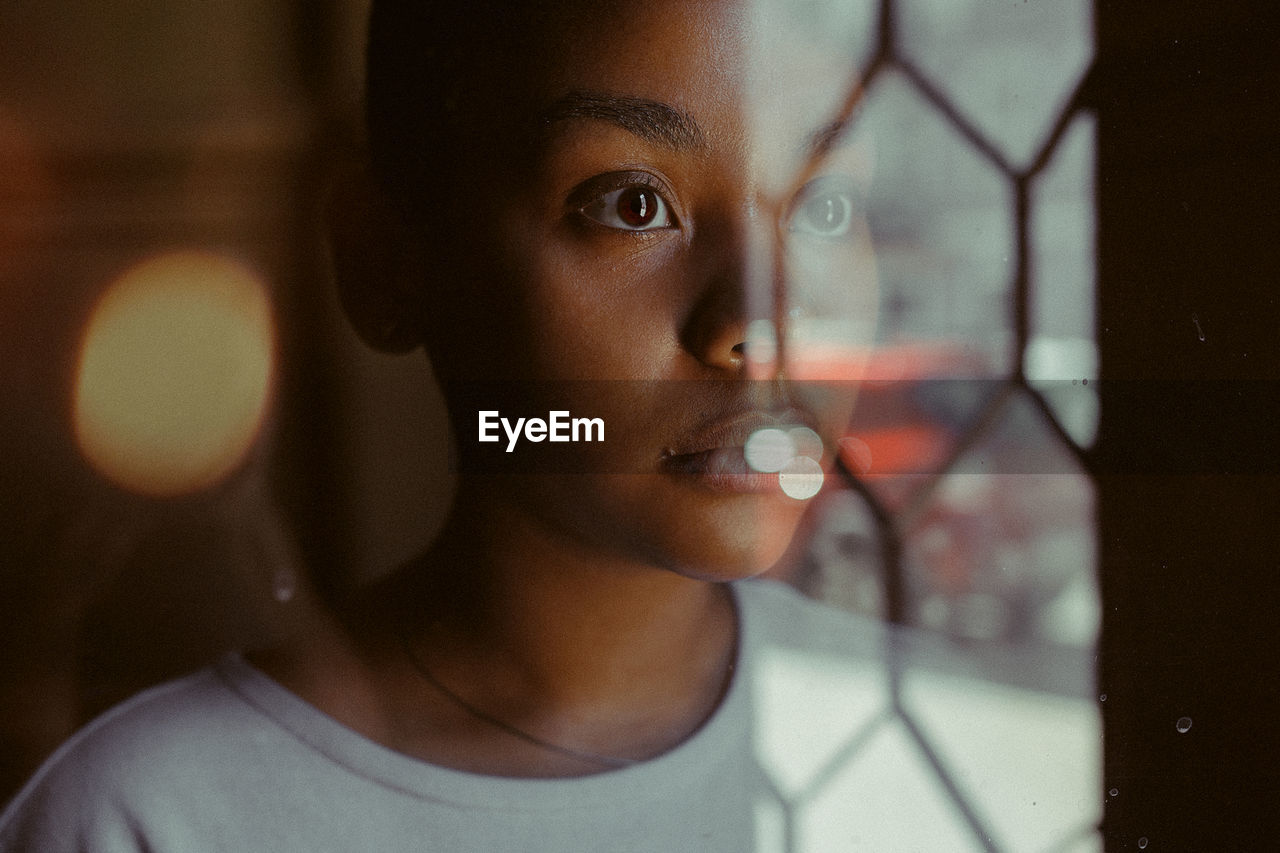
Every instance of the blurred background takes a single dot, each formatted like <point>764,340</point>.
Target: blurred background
<point>186,418</point>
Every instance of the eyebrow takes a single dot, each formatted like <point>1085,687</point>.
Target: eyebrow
<point>827,138</point>
<point>650,120</point>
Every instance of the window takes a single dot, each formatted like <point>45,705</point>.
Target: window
<point>968,512</point>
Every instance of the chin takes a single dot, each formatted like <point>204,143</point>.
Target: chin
<point>659,521</point>
<point>734,542</point>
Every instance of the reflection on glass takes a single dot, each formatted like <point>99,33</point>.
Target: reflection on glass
<point>942,227</point>
<point>1009,67</point>
<point>1004,548</point>
<point>1062,356</point>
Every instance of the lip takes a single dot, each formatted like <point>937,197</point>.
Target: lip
<point>712,457</point>
<point>723,469</point>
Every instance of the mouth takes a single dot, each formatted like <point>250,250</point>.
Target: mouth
<point>721,469</point>
<point>716,458</point>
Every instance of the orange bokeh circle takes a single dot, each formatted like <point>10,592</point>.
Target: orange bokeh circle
<point>175,373</point>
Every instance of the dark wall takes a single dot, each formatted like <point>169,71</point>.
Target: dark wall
<point>128,130</point>
<point>1189,327</point>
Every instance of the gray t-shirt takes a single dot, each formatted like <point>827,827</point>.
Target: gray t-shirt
<point>804,754</point>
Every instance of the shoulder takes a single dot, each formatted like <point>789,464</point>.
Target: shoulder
<point>128,762</point>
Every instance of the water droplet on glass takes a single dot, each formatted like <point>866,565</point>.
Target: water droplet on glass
<point>1115,792</point>
<point>1142,843</point>
<point>1183,725</point>
<point>1102,698</point>
<point>283,585</point>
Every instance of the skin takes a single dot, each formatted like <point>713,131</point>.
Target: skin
<point>590,609</point>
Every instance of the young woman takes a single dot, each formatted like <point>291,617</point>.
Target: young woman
<point>642,214</point>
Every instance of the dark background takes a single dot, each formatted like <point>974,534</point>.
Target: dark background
<point>1187,185</point>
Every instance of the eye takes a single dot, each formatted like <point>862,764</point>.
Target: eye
<point>826,212</point>
<point>632,208</point>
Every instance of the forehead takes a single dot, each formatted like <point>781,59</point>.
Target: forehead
<point>767,74</point>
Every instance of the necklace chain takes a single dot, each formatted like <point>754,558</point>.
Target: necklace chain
<point>610,761</point>
<point>598,759</point>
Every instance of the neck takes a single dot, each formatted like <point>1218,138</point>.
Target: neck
<point>564,624</point>
<point>572,645</point>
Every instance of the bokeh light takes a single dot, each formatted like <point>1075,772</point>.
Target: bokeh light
<point>806,442</point>
<point>175,373</point>
<point>768,450</point>
<point>761,349</point>
<point>801,479</point>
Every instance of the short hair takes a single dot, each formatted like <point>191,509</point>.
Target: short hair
<point>436,70</point>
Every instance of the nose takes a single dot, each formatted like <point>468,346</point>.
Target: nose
<point>733,325</point>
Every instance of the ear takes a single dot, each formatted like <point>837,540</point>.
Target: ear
<point>378,265</point>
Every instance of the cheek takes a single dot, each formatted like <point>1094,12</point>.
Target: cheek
<point>601,315</point>
<point>833,302</point>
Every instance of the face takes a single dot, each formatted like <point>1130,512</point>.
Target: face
<point>677,248</point>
